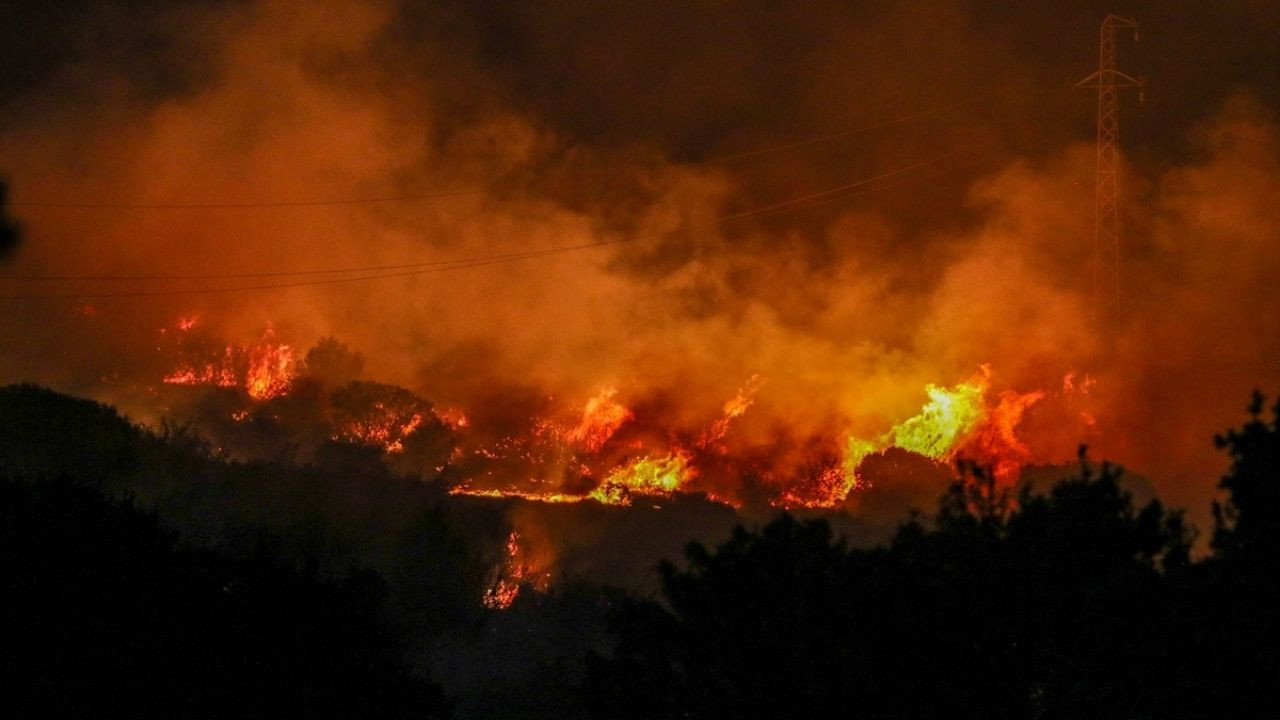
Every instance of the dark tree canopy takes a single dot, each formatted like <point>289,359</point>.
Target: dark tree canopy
<point>1247,528</point>
<point>146,575</point>
<point>108,613</point>
<point>1060,604</point>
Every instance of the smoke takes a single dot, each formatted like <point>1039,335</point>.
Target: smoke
<point>562,126</point>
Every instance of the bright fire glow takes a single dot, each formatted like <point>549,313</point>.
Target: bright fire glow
<point>953,422</point>
<point>265,370</point>
<point>557,458</point>
<point>271,369</point>
<point>601,418</point>
<point>383,427</point>
<point>714,436</point>
<point>506,587</point>
<point>646,476</point>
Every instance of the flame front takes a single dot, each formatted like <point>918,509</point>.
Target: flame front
<point>271,368</point>
<point>646,476</point>
<point>601,418</point>
<point>948,418</point>
<point>265,369</point>
<point>561,456</point>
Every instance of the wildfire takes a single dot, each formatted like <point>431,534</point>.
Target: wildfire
<point>506,586</point>
<point>271,369</point>
<point>953,421</point>
<point>454,418</point>
<point>220,372</point>
<point>265,369</point>
<point>383,427</point>
<point>601,418</point>
<point>714,435</point>
<point>559,457</point>
<point>996,443</point>
<point>948,417</point>
<point>547,497</point>
<point>646,476</point>
<point>519,569</point>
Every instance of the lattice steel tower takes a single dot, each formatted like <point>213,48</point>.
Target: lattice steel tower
<point>1106,241</point>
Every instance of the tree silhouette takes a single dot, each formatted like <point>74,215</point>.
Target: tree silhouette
<point>333,363</point>
<point>1053,606</point>
<point>108,615</point>
<point>1246,528</point>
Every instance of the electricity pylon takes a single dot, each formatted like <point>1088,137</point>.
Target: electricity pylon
<point>1107,248</point>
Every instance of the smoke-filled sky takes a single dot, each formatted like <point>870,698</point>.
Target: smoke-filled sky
<point>671,138</point>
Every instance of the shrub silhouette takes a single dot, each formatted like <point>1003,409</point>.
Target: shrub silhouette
<point>107,615</point>
<point>1059,604</point>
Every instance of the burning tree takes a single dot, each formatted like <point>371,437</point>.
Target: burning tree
<point>394,419</point>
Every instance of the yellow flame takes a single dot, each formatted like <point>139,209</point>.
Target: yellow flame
<point>645,476</point>
<point>271,368</point>
<point>944,421</point>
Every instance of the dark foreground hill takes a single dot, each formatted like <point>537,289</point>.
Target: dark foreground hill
<point>146,576</point>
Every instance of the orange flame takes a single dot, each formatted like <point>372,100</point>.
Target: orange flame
<point>271,369</point>
<point>268,367</point>
<point>221,373</point>
<point>954,421</point>
<point>996,443</point>
<point>601,418</point>
<point>506,587</point>
<point>385,428</point>
<point>714,436</point>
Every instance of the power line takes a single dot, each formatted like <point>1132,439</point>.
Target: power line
<point>250,275</point>
<point>65,205</point>
<point>886,186</point>
<point>768,209</point>
<point>243,205</point>
<point>456,265</point>
<point>411,269</point>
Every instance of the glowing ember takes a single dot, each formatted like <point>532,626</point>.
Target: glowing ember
<point>1069,384</point>
<point>827,489</point>
<point>506,587</point>
<point>546,497</point>
<point>454,418</point>
<point>221,373</point>
<point>383,416</point>
<point>265,370</point>
<point>383,427</point>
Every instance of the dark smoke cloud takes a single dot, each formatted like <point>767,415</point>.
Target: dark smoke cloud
<point>572,124</point>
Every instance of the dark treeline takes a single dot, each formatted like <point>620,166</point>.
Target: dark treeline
<point>145,575</point>
<point>1064,604</point>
